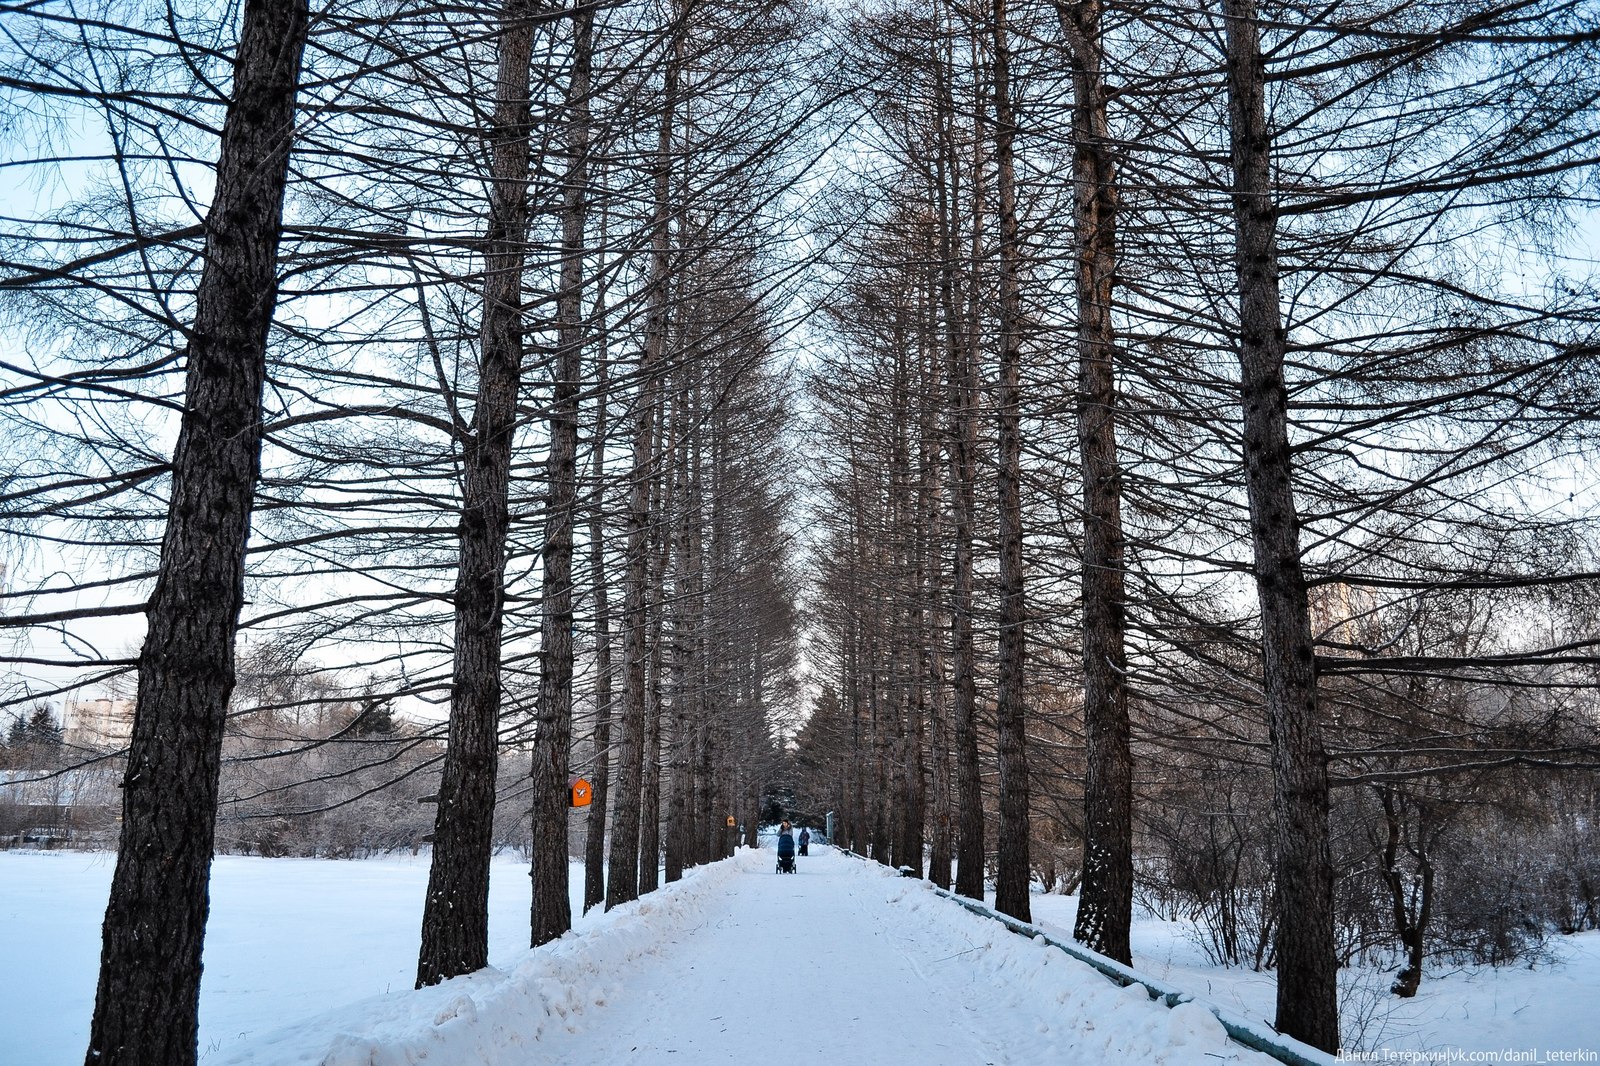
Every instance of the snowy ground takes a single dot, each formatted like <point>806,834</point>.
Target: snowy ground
<point>311,962</point>
<point>840,964</point>
<point>287,938</point>
<point>1545,1010</point>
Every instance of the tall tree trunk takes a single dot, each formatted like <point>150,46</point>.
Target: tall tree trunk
<point>1012,863</point>
<point>709,793</point>
<point>758,713</point>
<point>686,612</point>
<point>856,810</point>
<point>1105,907</point>
<point>719,668</point>
<point>594,844</point>
<point>650,787</point>
<point>552,905</point>
<point>455,916</point>
<point>623,883</point>
<point>921,588</point>
<point>911,852</point>
<point>699,682</point>
<point>900,536</point>
<point>961,361</point>
<point>940,851</point>
<point>1307,995</point>
<point>700,652</point>
<point>147,998</point>
<point>880,736</point>
<point>930,578</point>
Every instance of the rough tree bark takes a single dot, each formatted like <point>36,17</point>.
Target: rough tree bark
<point>455,916</point>
<point>147,997</point>
<point>623,882</point>
<point>930,594</point>
<point>594,843</point>
<point>1105,908</point>
<point>718,658</point>
<point>855,642</point>
<point>552,905</point>
<point>926,704</point>
<point>661,544</point>
<point>902,533</point>
<point>686,606</point>
<point>1012,864</point>
<point>930,590</point>
<point>880,844</point>
<point>961,363</point>
<point>1307,994</point>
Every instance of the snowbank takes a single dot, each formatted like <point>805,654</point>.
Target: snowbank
<point>1482,1011</point>
<point>494,1016</point>
<point>1094,1019</point>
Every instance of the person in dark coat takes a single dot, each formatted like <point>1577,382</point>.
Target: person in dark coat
<point>805,841</point>
<point>785,849</point>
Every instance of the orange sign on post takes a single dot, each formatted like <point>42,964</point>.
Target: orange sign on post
<point>582,793</point>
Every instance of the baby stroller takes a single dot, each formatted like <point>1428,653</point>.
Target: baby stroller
<point>786,854</point>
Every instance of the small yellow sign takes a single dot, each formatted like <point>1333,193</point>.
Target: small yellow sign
<point>582,793</point>
<point>731,822</point>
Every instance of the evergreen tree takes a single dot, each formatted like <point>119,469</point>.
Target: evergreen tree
<point>376,719</point>
<point>41,729</point>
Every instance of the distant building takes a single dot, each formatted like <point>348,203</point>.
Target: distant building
<point>99,724</point>
<point>80,805</point>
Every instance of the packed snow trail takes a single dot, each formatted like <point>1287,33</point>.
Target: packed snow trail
<point>809,968</point>
<point>840,964</point>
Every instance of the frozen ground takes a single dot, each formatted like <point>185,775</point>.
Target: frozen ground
<point>1550,1008</point>
<point>840,964</point>
<point>311,961</point>
<point>287,938</point>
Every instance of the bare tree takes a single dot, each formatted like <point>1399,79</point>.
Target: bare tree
<point>1307,994</point>
<point>455,918</point>
<point>147,996</point>
<point>1012,866</point>
<point>623,882</point>
<point>552,911</point>
<point>1105,906</point>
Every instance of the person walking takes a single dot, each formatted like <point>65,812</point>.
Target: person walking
<point>785,849</point>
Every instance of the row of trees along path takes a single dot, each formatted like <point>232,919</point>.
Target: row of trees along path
<point>1152,398</point>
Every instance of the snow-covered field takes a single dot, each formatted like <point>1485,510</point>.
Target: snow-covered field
<point>311,962</point>
<point>287,938</point>
<point>1537,1012</point>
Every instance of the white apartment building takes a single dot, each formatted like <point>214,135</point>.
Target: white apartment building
<point>100,724</point>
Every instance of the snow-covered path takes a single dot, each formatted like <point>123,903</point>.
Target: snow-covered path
<point>803,969</point>
<point>841,964</point>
